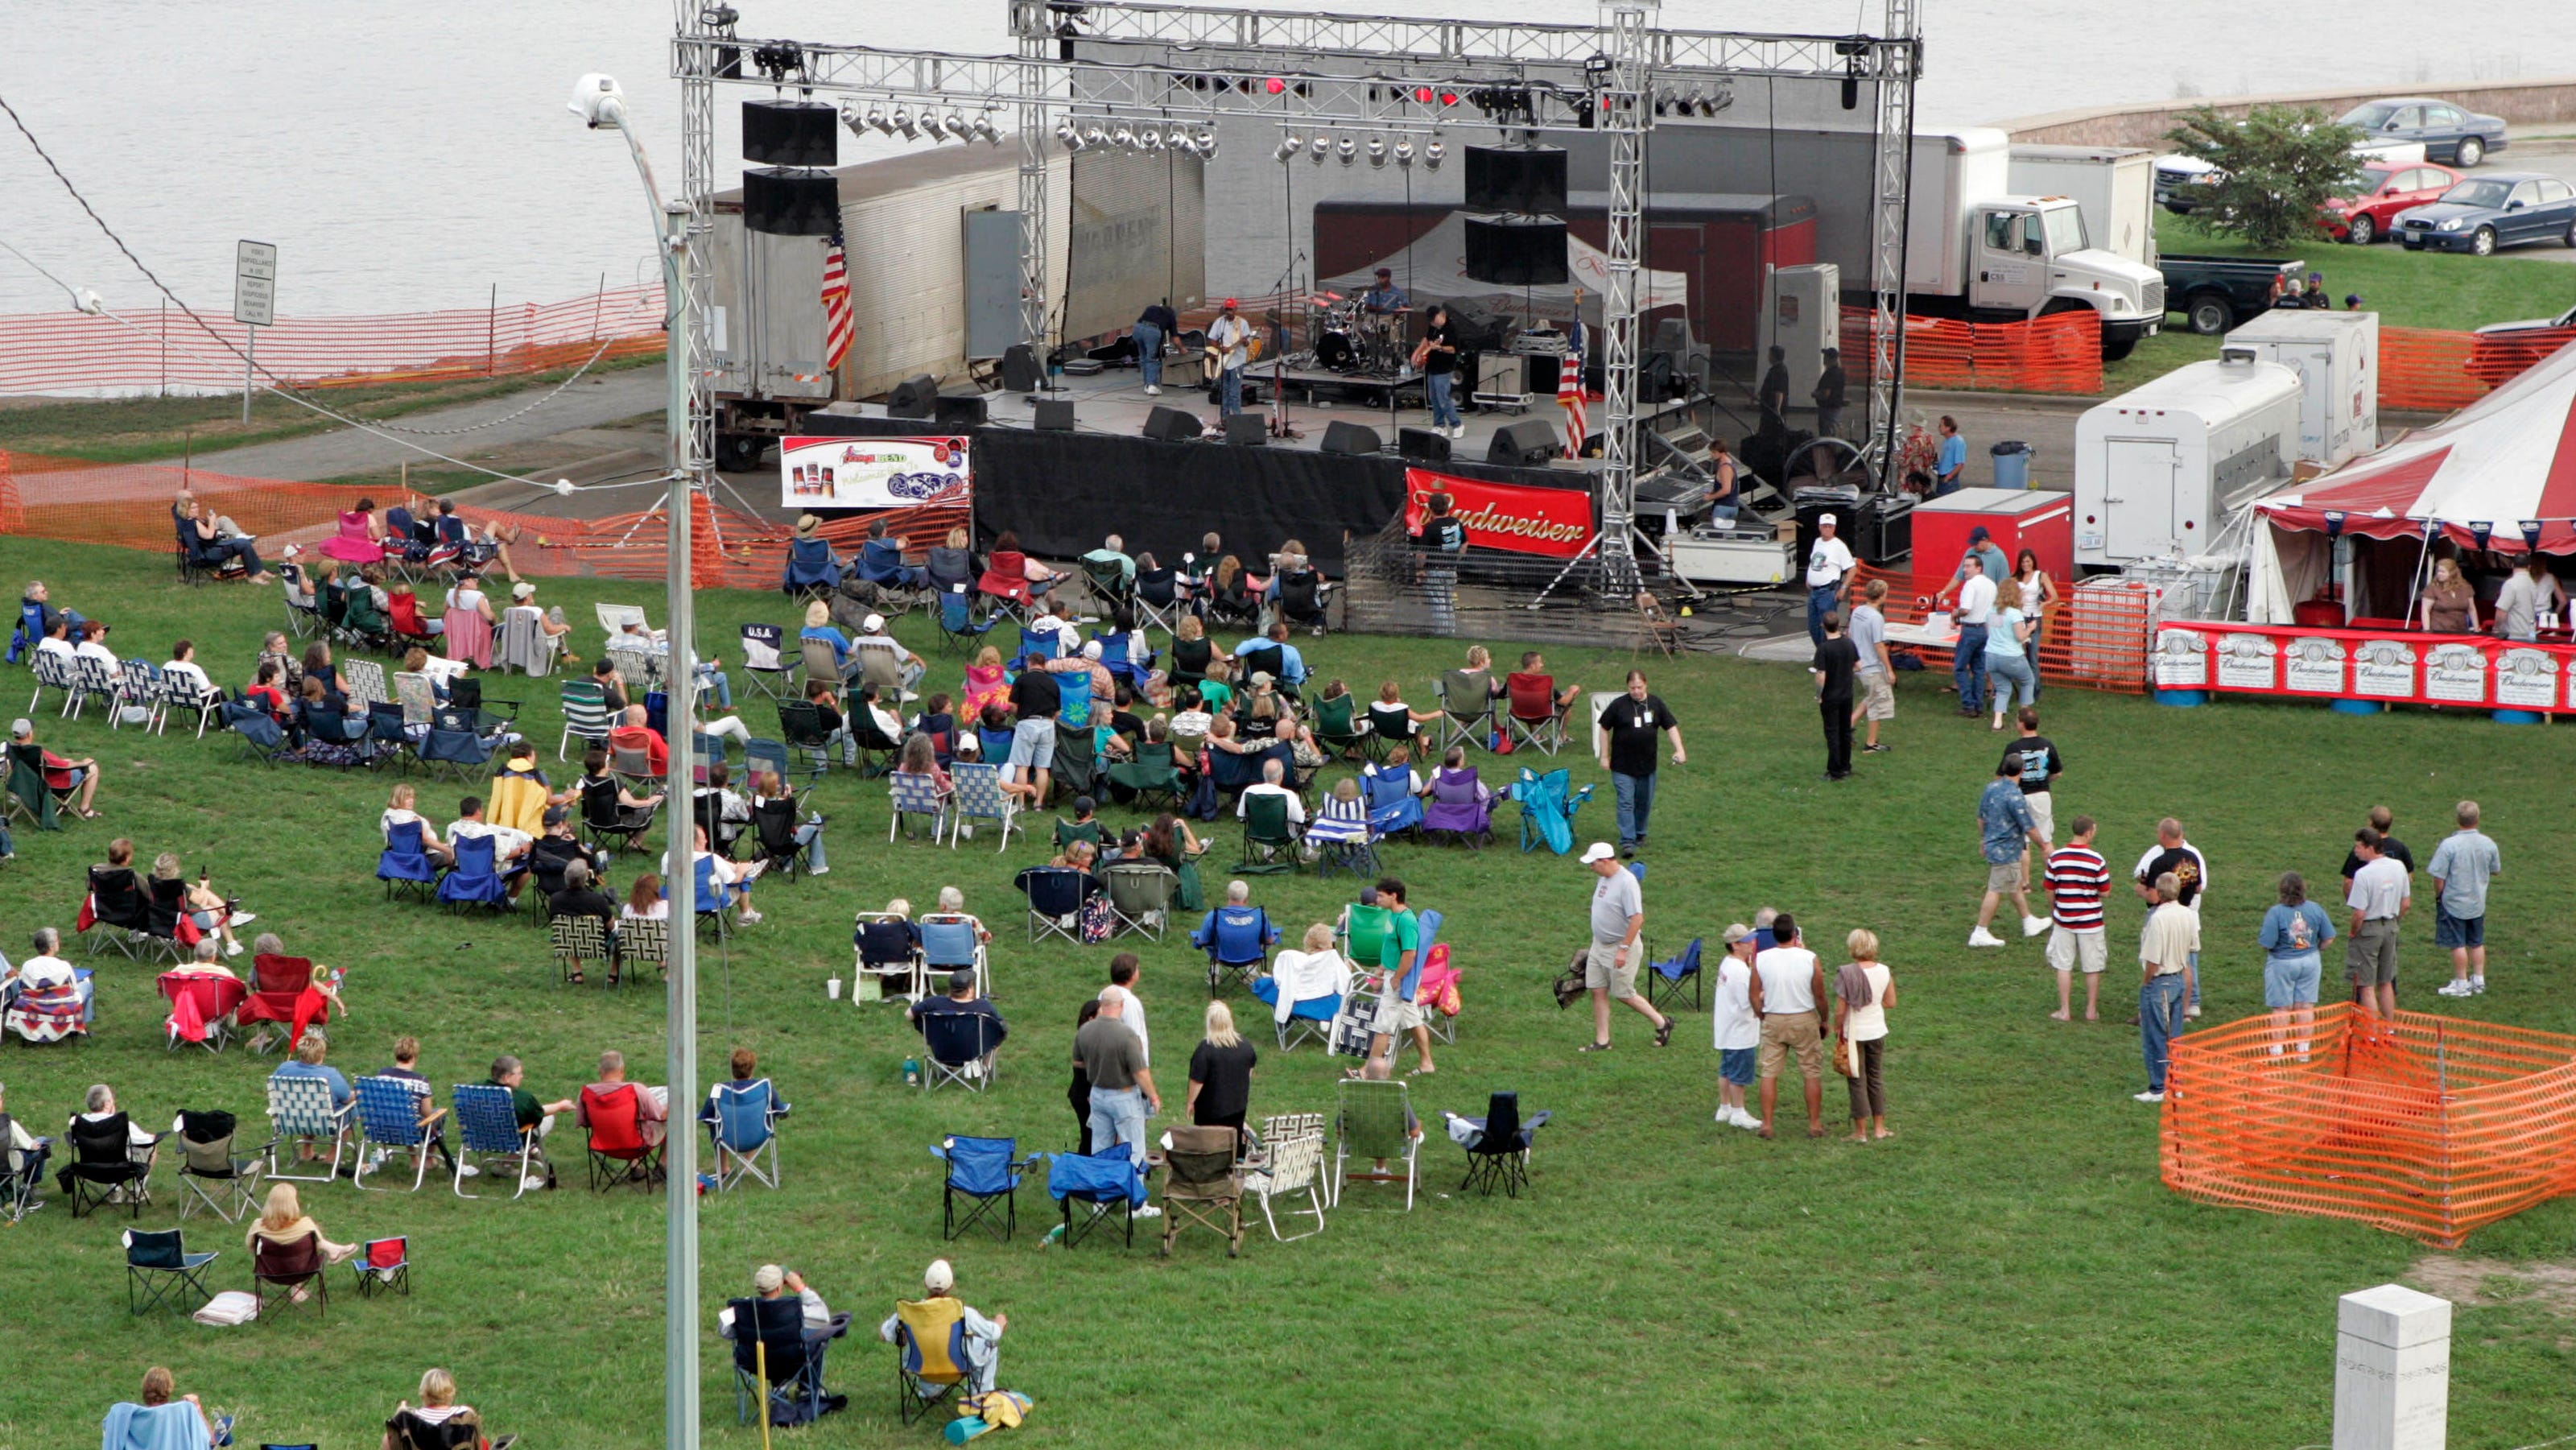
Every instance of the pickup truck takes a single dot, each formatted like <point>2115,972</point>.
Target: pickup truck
<point>2217,293</point>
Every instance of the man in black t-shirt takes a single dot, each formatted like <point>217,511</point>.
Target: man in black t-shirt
<point>1625,743</point>
<point>2381,818</point>
<point>2036,766</point>
<point>1439,365</point>
<point>1035,699</point>
<point>1837,659</point>
<point>1442,541</point>
<point>1774,394</point>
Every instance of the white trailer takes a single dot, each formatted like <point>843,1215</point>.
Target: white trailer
<point>2336,355</point>
<point>2160,469</point>
<point>2114,186</point>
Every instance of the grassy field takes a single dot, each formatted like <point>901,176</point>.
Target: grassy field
<point>2007,1272</point>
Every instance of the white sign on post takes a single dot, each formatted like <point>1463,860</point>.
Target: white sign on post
<point>254,305</point>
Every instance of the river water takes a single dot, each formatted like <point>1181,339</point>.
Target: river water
<point>415,156</point>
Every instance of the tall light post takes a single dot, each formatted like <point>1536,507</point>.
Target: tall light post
<point>600,103</point>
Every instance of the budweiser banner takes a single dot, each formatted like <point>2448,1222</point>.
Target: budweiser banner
<point>1511,518</point>
<point>2427,669</point>
<point>871,473</point>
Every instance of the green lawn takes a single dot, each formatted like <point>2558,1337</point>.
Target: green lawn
<point>2008,1272</point>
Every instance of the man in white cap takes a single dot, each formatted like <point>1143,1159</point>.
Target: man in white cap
<point>872,635</point>
<point>1828,560</point>
<point>983,1336</point>
<point>551,621</point>
<point>770,1282</point>
<point>1738,1031</point>
<point>1610,969</point>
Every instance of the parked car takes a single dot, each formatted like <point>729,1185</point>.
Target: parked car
<point>2503,210</point>
<point>2217,293</point>
<point>2501,350</point>
<point>2450,134</point>
<point>2177,179</point>
<point>2365,216</point>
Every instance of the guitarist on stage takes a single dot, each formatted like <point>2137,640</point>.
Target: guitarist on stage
<point>1230,340</point>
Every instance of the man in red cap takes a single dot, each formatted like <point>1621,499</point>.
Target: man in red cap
<point>1230,343</point>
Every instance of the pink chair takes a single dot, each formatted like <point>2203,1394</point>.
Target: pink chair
<point>469,637</point>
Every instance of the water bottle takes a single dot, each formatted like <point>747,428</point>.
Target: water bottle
<point>911,1072</point>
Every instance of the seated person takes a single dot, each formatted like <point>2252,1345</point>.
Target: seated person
<point>1085,824</point>
<point>1272,774</point>
<point>318,665</point>
<point>582,897</point>
<point>141,1143</point>
<point>1216,692</point>
<point>1238,899</point>
<point>164,1420</point>
<point>91,644</point>
<point>183,664</point>
<point>268,691</point>
<point>274,650</point>
<point>744,1067</point>
<point>652,1104</point>
<point>732,880</point>
<point>205,959</point>
<point>1399,764</point>
<point>886,723</point>
<point>437,1408</point>
<point>1534,663</point>
<point>631,733</point>
<point>612,686</point>
<point>1189,720</point>
<point>22,1161</point>
<point>75,780</point>
<point>986,682</point>
<point>983,1336</point>
<point>1292,665</point>
<point>533,1116</point>
<point>632,809</point>
<point>961,1001</point>
<point>556,849</point>
<point>57,642</point>
<point>405,1069</point>
<point>509,847</point>
<point>1309,973</point>
<point>952,902</point>
<point>872,635</point>
<point>1170,841</point>
<point>771,1282</point>
<point>1113,551</point>
<point>818,625</point>
<point>645,901</point>
<point>282,1221</point>
<point>494,544</point>
<point>1342,819</point>
<point>307,1061</point>
<point>207,911</point>
<point>920,757</point>
<point>47,615</point>
<point>731,811</point>
<point>766,786</point>
<point>550,621</point>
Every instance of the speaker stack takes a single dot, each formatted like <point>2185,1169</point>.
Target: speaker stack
<point>1529,443</point>
<point>788,192</point>
<point>1519,240</point>
<point>1173,425</point>
<point>915,397</point>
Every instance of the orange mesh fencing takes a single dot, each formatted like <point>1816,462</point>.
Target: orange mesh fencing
<point>2096,639</point>
<point>72,352</point>
<point>2058,353</point>
<point>2425,1126</point>
<point>2436,371</point>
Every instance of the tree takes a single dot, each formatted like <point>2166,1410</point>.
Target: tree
<point>2276,167</point>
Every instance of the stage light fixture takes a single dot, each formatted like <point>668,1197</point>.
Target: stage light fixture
<point>1095,136</point>
<point>877,121</point>
<point>1151,141</point>
<point>1404,153</point>
<point>903,124</point>
<point>1347,149</point>
<point>1206,142</point>
<point>1289,146</point>
<point>987,132</point>
<point>1067,136</point>
<point>1433,155</point>
<point>1179,139</point>
<point>1318,149</point>
<point>1274,85</point>
<point>1124,137</point>
<point>1377,151</point>
<point>955,125</point>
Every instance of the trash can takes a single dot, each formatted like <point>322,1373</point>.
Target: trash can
<point>2012,464</point>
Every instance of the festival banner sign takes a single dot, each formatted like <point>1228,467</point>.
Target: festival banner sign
<point>871,473</point>
<point>2359,664</point>
<point>1510,518</point>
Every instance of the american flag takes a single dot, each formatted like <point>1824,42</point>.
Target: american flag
<point>836,300</point>
<point>1569,396</point>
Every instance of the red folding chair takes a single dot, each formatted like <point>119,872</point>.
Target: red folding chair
<point>1535,719</point>
<point>282,991</point>
<point>202,1005</point>
<point>618,1150</point>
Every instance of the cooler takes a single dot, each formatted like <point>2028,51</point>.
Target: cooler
<point>2017,519</point>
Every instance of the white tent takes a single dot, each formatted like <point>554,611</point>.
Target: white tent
<point>1434,269</point>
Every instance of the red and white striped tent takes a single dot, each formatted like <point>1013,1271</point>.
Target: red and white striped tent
<point>2504,467</point>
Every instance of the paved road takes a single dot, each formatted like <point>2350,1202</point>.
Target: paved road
<point>593,401</point>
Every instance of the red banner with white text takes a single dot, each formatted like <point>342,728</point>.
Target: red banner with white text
<point>2346,664</point>
<point>1511,518</point>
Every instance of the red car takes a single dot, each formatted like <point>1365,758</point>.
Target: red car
<point>2387,188</point>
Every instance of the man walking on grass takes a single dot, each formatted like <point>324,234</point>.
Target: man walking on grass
<point>2167,946</point>
<point>2007,832</point>
<point>1610,970</point>
<point>2078,877</point>
<point>1788,993</point>
<point>2381,892</point>
<point>1877,683</point>
<point>2462,866</point>
<point>1834,665</point>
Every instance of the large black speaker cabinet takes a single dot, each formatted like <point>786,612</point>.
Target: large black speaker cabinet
<point>790,133</point>
<point>915,397</point>
<point>1341,437</point>
<point>1533,441</point>
<point>1422,445</point>
<point>784,201</point>
<point>1020,368</point>
<point>1173,425</point>
<point>1516,253</point>
<point>1250,429</point>
<point>960,411</point>
<point>1054,415</point>
<point>1529,180</point>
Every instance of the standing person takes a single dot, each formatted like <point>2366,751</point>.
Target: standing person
<point>2038,591</point>
<point>1877,683</point>
<point>1079,1093</point>
<point>2295,931</point>
<point>1830,385</point>
<point>2530,589</point>
<point>2008,658</point>
<point>1440,545</point>
<point>1828,560</point>
<point>1774,393</point>
<point>2006,832</point>
<point>1221,1076</point>
<point>1788,991</point>
<point>1863,991</point>
<point>2462,866</point>
<point>1624,739</point>
<point>2168,945</point>
<point>2381,892</point>
<point>1122,1086</point>
<point>1952,461</point>
<point>1968,656</point>
<point>1836,661</point>
<point>2172,853</point>
<point>1610,971</point>
<point>1230,337</point>
<point>2078,878</point>
<point>1738,1030</point>
<point>2039,764</point>
<point>2384,821</point>
<point>1400,962</point>
<point>2450,605</point>
<point>1438,359</point>
<point>1153,325</point>
<point>1726,497</point>
<point>1990,562</point>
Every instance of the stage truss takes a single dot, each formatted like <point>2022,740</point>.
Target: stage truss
<point>1263,64</point>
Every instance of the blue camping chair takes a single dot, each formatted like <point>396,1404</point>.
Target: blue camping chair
<point>1104,1183</point>
<point>1041,645</point>
<point>950,944</point>
<point>958,1047</point>
<point>1237,940</point>
<point>387,739</point>
<point>880,562</point>
<point>262,739</point>
<point>31,628</point>
<point>464,755</point>
<point>389,1117</point>
<point>1073,694</point>
<point>957,623</point>
<point>1116,653</point>
<point>810,568</point>
<point>488,1128</point>
<point>405,866</point>
<point>1666,979</point>
<point>994,745</point>
<point>1056,895</point>
<point>1391,807</point>
<point>771,1333</point>
<point>713,897</point>
<point>1230,772</point>
<point>742,1127</point>
<point>983,1171</point>
<point>1309,1018</point>
<point>474,880</point>
<point>1547,811</point>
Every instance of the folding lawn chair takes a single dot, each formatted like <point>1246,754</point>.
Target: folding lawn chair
<point>488,1128</point>
<point>300,1108</point>
<point>211,1176</point>
<point>822,666</point>
<point>53,671</point>
<point>765,662</point>
<point>585,712</point>
<point>1309,1018</point>
<point>138,688</point>
<point>474,880</point>
<point>950,943</point>
<point>104,1169</point>
<point>1158,598</point>
<point>1665,980</point>
<point>1151,771</point>
<point>1269,840</point>
<point>1547,809</point>
<point>983,1172</point>
<point>912,793</point>
<point>22,1173</point>
<point>1393,808</point>
<point>770,1334</point>
<point>1374,1121</point>
<point>1105,1184</point>
<point>1339,727</point>
<point>364,680</point>
<point>464,756</point>
<point>1055,897</point>
<point>1497,1144</point>
<point>1237,940</point>
<point>95,679</point>
<point>404,864</point>
<point>800,726</point>
<point>118,910</point>
<point>742,1128</point>
<point>1291,1162</point>
<point>958,1047</point>
<point>1140,897</point>
<point>606,820</point>
<point>642,941</point>
<point>619,1151</point>
<point>282,992</point>
<point>575,940</point>
<point>201,1008</point>
<point>159,1271</point>
<point>888,948</point>
<point>383,1266</point>
<point>979,797</point>
<point>389,1119</point>
<point>1534,718</point>
<point>180,695</point>
<point>388,737</point>
<point>289,1275</point>
<point>958,626</point>
<point>1203,1186</point>
<point>812,572</point>
<point>1466,709</point>
<point>930,1354</point>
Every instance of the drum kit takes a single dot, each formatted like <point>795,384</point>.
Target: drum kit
<point>1353,340</point>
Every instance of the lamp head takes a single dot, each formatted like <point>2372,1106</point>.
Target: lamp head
<point>598,100</point>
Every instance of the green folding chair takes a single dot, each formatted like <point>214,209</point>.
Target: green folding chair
<point>1269,842</point>
<point>1374,1121</point>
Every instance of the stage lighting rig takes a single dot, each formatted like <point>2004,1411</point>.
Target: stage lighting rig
<point>903,125</point>
<point>1855,54</point>
<point>1404,153</point>
<point>1377,152</point>
<point>1289,145</point>
<point>1319,148</point>
<point>1348,149</point>
<point>779,59</point>
<point>1434,154</point>
<point>1068,137</point>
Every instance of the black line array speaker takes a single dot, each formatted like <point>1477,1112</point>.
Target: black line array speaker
<point>1341,437</point>
<point>1516,253</point>
<point>787,201</point>
<point>1529,180</point>
<point>1250,429</point>
<point>1173,425</point>
<point>915,397</point>
<point>1533,441</point>
<point>790,133</point>
<point>959,411</point>
<point>1422,445</point>
<point>1020,368</point>
<point>1054,415</point>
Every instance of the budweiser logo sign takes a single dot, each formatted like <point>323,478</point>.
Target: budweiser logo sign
<point>1556,522</point>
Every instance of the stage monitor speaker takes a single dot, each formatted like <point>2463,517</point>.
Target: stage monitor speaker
<point>1528,180</point>
<point>790,133</point>
<point>1054,415</point>
<point>915,397</point>
<point>1341,437</point>
<point>1173,425</point>
<point>1020,368</point>
<point>784,201</point>
<point>1422,445</point>
<point>1533,441</point>
<point>1516,253</point>
<point>960,410</point>
<point>1249,429</point>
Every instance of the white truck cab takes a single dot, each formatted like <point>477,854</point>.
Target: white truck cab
<point>2030,256</point>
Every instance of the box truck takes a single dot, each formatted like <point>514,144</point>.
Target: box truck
<point>2336,357</point>
<point>2159,469</point>
<point>2114,186</point>
<point>1977,249</point>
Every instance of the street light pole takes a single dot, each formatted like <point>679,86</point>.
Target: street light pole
<point>599,102</point>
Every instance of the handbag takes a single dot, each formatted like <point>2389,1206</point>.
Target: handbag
<point>1846,1057</point>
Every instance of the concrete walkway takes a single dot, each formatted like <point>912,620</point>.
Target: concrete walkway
<point>593,401</point>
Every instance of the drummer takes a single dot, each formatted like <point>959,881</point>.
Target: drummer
<point>1386,296</point>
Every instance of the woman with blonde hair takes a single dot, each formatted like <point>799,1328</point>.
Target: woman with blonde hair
<point>986,682</point>
<point>818,625</point>
<point>208,911</point>
<point>1221,1075</point>
<point>2450,605</point>
<point>437,1408</point>
<point>282,1222</point>
<point>1863,992</point>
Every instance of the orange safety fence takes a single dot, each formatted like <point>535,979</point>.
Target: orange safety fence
<point>127,505</point>
<point>163,349</point>
<point>2095,637</point>
<point>2436,371</point>
<point>2058,353</point>
<point>2422,1125</point>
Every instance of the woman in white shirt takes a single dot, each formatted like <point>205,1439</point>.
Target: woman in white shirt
<point>2037,592</point>
<point>1863,992</point>
<point>465,594</point>
<point>645,902</point>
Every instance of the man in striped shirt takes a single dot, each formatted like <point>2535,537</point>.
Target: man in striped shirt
<point>2078,877</point>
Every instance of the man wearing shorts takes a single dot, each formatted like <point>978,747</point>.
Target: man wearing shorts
<point>1035,699</point>
<point>2462,865</point>
<point>1400,958</point>
<point>1610,969</point>
<point>2381,892</point>
<point>2007,832</point>
<point>2039,764</point>
<point>1877,669</point>
<point>1738,1031</point>
<point>1788,989</point>
<point>2078,877</point>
